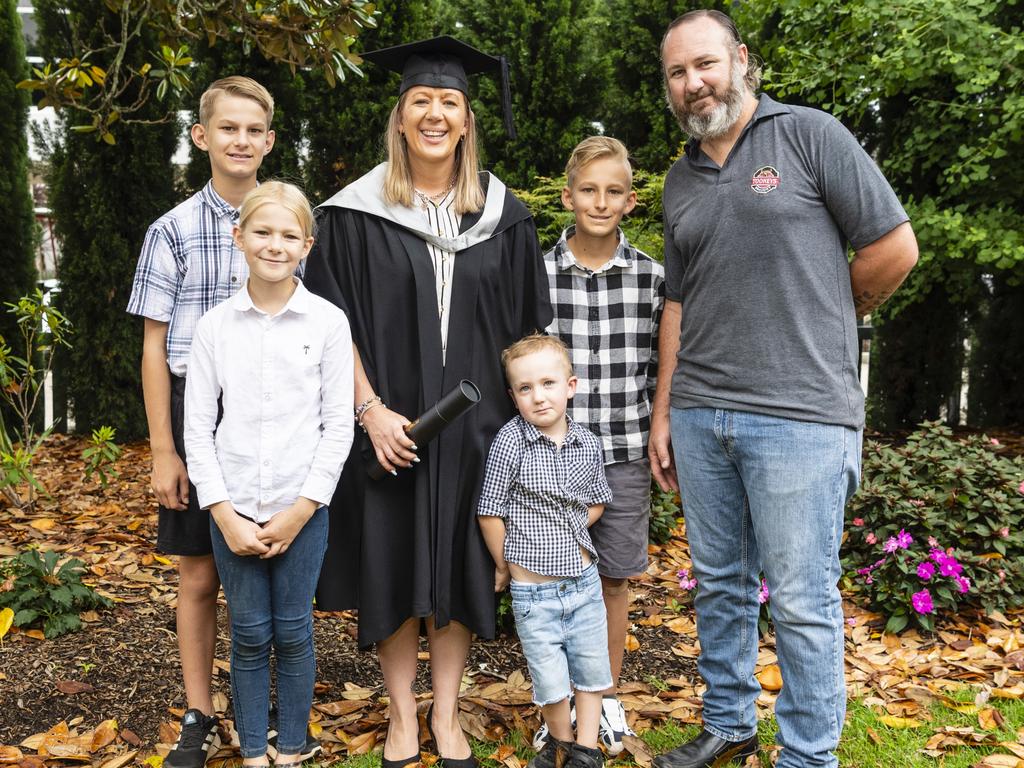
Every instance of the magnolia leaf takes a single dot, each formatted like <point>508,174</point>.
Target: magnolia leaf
<point>6,620</point>
<point>900,722</point>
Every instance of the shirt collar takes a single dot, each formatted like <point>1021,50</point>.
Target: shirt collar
<point>298,303</point>
<point>218,204</point>
<point>531,434</point>
<point>766,107</point>
<point>565,259</point>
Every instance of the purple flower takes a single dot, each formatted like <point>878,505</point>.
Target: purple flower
<point>879,563</point>
<point>922,601</point>
<point>948,566</point>
<point>963,584</point>
<point>863,571</point>
<point>903,539</point>
<point>685,582</point>
<point>763,594</point>
<point>937,554</point>
<point>891,545</point>
<point>925,570</point>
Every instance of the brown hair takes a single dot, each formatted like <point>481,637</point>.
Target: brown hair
<point>398,187</point>
<point>236,85</point>
<point>752,77</point>
<point>536,342</point>
<point>594,148</point>
<point>282,193</point>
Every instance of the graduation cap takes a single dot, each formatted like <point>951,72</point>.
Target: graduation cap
<point>444,62</point>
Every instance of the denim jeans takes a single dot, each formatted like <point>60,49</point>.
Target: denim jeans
<point>271,603</point>
<point>562,626</point>
<point>766,493</point>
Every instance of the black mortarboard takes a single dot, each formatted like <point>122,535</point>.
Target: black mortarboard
<point>444,62</point>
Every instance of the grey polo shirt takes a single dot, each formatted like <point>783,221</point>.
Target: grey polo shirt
<point>756,252</point>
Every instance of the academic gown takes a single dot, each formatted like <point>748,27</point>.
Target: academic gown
<point>410,546</point>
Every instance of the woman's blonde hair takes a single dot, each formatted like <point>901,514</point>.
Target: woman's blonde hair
<point>398,186</point>
<point>282,193</point>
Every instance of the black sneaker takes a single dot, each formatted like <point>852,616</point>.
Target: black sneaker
<point>311,748</point>
<point>198,736</point>
<point>585,757</point>
<point>554,754</point>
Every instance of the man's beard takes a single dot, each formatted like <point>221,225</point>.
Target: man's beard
<point>716,121</point>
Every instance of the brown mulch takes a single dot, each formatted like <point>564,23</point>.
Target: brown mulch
<point>110,695</point>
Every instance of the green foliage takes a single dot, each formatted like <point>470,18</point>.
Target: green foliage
<point>23,370</point>
<point>16,220</point>
<point>101,455</point>
<point>104,73</point>
<point>962,505</point>
<point>40,589</point>
<point>554,69</point>
<point>665,514</point>
<point>103,198</point>
<point>996,396</point>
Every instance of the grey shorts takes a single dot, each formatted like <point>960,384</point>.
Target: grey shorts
<point>620,535</point>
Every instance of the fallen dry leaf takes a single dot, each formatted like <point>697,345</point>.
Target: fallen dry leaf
<point>641,753</point>
<point>770,678</point>
<point>104,734</point>
<point>71,687</point>
<point>990,719</point>
<point>11,755</point>
<point>121,760</point>
<point>900,722</point>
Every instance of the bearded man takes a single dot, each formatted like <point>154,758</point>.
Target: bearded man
<point>758,405</point>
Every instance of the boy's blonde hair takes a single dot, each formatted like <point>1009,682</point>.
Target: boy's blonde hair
<point>236,85</point>
<point>398,188</point>
<point>594,148</point>
<point>282,193</point>
<point>536,342</point>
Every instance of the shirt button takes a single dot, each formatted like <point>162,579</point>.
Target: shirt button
<point>234,279</point>
<point>266,395</point>
<point>266,463</point>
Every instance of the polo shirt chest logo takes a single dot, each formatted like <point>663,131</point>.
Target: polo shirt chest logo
<point>765,180</point>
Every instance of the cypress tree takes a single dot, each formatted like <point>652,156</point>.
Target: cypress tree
<point>103,199</point>
<point>17,263</point>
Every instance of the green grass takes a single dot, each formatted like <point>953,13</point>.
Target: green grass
<point>858,749</point>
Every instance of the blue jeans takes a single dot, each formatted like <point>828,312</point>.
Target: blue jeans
<point>563,628</point>
<point>766,493</point>
<point>271,603</point>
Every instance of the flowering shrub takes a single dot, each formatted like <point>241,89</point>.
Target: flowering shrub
<point>936,526</point>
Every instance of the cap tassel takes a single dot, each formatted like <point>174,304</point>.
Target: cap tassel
<point>506,99</point>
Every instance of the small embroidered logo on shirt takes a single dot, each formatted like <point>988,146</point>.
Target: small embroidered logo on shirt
<point>305,349</point>
<point>765,180</point>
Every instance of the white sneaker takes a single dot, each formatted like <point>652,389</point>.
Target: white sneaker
<point>540,738</point>
<point>613,727</point>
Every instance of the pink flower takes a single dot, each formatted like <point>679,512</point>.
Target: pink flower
<point>858,521</point>
<point>763,594</point>
<point>950,567</point>
<point>963,584</point>
<point>922,601</point>
<point>933,542</point>
<point>903,539</point>
<point>1004,532</point>
<point>685,582</point>
<point>852,621</point>
<point>1002,575</point>
<point>925,570</point>
<point>917,502</point>
<point>871,539</point>
<point>869,580</point>
<point>993,441</point>
<point>1020,488</point>
<point>891,544</point>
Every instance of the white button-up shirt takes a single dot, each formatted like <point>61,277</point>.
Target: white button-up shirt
<point>286,387</point>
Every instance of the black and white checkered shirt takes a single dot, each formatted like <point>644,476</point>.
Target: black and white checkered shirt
<point>609,320</point>
<point>543,492</point>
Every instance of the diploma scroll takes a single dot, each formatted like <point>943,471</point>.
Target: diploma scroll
<point>435,419</point>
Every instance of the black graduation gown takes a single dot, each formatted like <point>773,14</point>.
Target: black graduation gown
<point>410,545</point>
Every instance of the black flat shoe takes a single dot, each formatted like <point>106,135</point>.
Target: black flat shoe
<point>708,751</point>
<point>442,761</point>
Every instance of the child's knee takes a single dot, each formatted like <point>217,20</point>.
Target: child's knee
<point>198,579</point>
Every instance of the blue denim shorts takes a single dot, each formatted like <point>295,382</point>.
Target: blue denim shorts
<point>564,632</point>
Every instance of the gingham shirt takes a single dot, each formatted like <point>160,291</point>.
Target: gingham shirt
<point>189,264</point>
<point>609,320</point>
<point>543,492</point>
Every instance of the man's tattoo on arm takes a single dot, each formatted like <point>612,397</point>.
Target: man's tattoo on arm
<point>867,301</point>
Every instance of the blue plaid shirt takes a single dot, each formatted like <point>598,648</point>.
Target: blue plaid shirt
<point>189,264</point>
